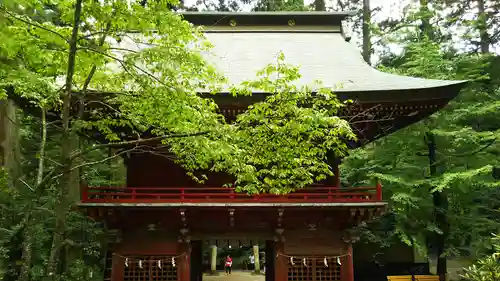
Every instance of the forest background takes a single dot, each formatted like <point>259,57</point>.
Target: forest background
<point>440,175</point>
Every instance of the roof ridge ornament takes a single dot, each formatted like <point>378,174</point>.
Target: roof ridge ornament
<point>345,31</point>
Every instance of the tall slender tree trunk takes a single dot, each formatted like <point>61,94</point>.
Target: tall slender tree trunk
<point>440,202</point>
<point>66,145</point>
<point>41,152</point>
<point>367,46</point>
<point>426,28</point>
<point>484,38</point>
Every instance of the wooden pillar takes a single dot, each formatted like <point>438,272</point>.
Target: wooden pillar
<point>256,258</point>
<point>117,268</point>
<point>183,270</point>
<point>213,261</point>
<point>348,265</point>
<point>281,264</point>
<point>336,170</point>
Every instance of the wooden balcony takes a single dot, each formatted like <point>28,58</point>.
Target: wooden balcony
<point>316,194</point>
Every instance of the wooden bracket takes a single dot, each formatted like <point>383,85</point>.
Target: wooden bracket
<point>183,214</point>
<point>231,217</point>
<point>279,223</point>
<point>184,236</point>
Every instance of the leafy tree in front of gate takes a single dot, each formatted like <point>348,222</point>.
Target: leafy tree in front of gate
<point>64,58</point>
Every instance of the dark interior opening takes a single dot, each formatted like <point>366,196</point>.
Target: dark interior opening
<point>270,260</point>
<point>200,260</point>
<point>196,262</point>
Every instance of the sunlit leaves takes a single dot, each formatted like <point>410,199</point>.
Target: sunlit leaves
<point>280,144</point>
<point>147,63</point>
<point>486,268</point>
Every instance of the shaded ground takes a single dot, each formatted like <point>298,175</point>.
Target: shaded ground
<point>237,275</point>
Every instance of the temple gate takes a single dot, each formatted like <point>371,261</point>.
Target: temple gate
<point>160,218</point>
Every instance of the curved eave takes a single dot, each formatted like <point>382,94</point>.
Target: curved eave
<point>373,114</point>
<point>442,90</point>
<point>447,92</point>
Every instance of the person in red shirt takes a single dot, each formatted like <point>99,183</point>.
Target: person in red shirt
<point>229,263</point>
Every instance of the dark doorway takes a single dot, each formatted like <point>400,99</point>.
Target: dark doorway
<point>196,264</point>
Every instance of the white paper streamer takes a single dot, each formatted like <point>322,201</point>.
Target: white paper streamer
<point>140,264</point>
<point>325,262</point>
<point>338,261</point>
<point>173,262</point>
<point>304,261</point>
<point>159,264</point>
<point>291,261</point>
<point>126,262</point>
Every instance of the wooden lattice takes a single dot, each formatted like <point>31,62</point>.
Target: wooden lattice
<point>314,271</point>
<point>150,270</point>
<point>330,273</point>
<point>300,272</point>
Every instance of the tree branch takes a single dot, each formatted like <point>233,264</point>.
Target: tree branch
<point>475,151</point>
<point>136,142</point>
<point>98,161</point>
<point>465,154</point>
<point>36,25</point>
<point>94,67</point>
<point>123,63</point>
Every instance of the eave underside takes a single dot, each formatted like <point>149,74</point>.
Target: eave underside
<point>233,218</point>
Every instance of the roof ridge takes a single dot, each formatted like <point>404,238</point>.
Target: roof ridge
<point>265,18</point>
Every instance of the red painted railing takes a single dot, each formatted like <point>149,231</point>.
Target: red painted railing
<point>226,195</point>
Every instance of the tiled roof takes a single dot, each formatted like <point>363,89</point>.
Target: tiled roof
<point>321,56</point>
<point>317,45</point>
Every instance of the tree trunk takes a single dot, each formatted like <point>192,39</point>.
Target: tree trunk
<point>482,26</point>
<point>41,153</point>
<point>319,5</point>
<point>66,145</point>
<point>9,141</point>
<point>27,252</point>
<point>440,202</point>
<point>367,48</point>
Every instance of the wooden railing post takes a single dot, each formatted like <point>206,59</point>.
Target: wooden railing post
<point>231,192</point>
<point>133,193</point>
<point>183,194</point>
<point>378,191</point>
<point>337,180</point>
<point>84,192</point>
